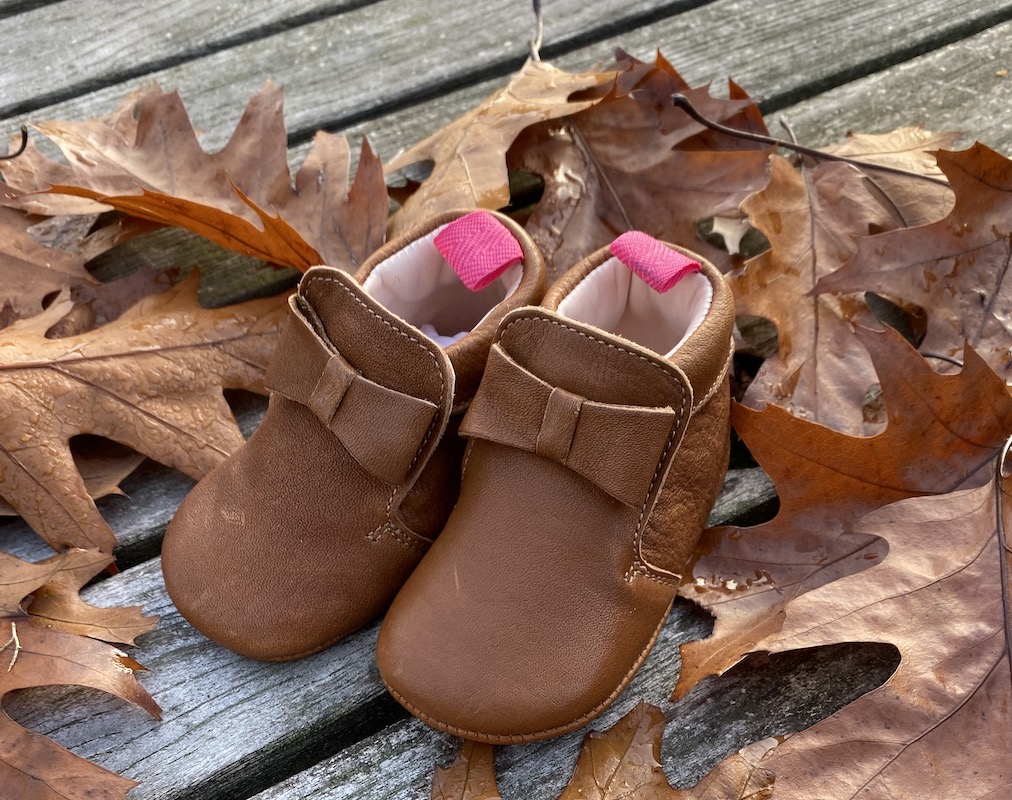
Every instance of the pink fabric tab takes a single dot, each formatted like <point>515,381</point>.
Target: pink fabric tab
<point>479,248</point>
<point>658,265</point>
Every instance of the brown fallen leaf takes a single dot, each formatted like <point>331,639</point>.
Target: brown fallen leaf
<point>145,159</point>
<point>955,268</point>
<point>30,272</point>
<point>911,149</point>
<point>812,218</point>
<point>634,161</point>
<point>57,604</point>
<point>151,380</point>
<point>942,430</point>
<point>33,767</point>
<point>471,776</point>
<point>941,726</point>
<point>622,763</point>
<point>39,258</point>
<point>469,155</point>
<point>101,472</point>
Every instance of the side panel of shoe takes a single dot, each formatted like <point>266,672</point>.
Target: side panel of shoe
<point>684,503</point>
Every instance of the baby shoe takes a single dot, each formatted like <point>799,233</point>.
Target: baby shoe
<point>598,440</point>
<point>307,531</point>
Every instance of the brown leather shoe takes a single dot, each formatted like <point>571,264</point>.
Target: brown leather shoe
<point>598,443</point>
<point>309,529</point>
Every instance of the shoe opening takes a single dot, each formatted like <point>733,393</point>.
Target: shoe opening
<point>419,285</point>
<point>615,299</point>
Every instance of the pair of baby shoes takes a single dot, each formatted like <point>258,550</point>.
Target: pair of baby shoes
<point>522,475</point>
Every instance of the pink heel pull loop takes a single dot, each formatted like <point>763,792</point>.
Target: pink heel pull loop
<point>655,263</point>
<point>479,248</point>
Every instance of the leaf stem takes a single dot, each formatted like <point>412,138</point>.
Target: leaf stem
<point>1003,547</point>
<point>539,31</point>
<point>21,148</point>
<point>943,357</point>
<point>584,147</point>
<point>684,103</point>
<point>14,640</point>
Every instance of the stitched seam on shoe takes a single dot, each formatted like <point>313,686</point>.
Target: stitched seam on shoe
<point>641,569</point>
<point>397,534</point>
<point>429,353</point>
<point>641,523</point>
<point>717,383</point>
<point>547,732</point>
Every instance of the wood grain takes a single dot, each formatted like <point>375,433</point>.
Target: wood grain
<point>397,70</point>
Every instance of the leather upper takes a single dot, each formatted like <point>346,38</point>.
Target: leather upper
<point>307,531</point>
<point>591,465</point>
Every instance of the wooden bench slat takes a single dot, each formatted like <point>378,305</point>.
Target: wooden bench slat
<point>100,42</point>
<point>231,722</point>
<point>376,59</point>
<point>364,60</point>
<point>955,88</point>
<point>767,698</point>
<point>227,720</point>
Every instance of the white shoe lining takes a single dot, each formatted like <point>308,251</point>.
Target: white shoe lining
<point>418,285</point>
<point>612,298</point>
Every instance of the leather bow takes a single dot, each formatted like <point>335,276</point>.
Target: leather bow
<point>622,449</point>
<point>381,428</point>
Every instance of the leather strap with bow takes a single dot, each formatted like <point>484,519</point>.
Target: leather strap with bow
<point>381,428</point>
<point>619,448</point>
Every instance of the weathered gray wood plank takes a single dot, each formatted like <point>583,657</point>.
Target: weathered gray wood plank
<point>232,725</point>
<point>374,59</point>
<point>766,697</point>
<point>778,51</point>
<point>100,43</point>
<point>959,87</point>
<point>360,62</point>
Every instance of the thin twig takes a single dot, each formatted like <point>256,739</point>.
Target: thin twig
<point>683,102</point>
<point>584,147</point>
<point>14,640</point>
<point>943,357</point>
<point>1003,548</point>
<point>20,150</point>
<point>539,32</point>
<point>786,125</point>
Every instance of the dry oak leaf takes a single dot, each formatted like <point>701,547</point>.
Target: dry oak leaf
<point>942,430</point>
<point>941,726</point>
<point>469,155</point>
<point>151,380</point>
<point>635,162</point>
<point>102,473</point>
<point>956,269</point>
<point>812,218</point>
<point>32,767</point>
<point>30,272</point>
<point>622,763</point>
<point>57,604</point>
<point>38,258</point>
<point>910,149</point>
<point>145,160</point>
<point>471,776</point>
